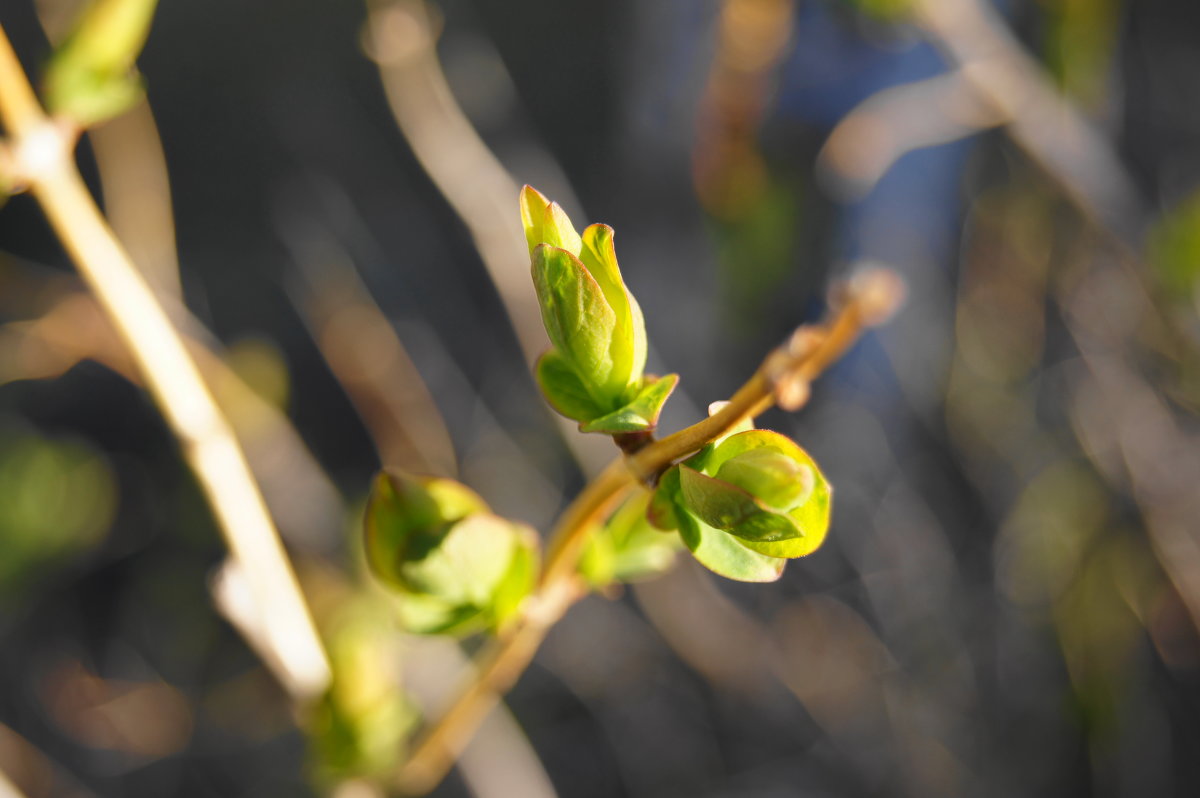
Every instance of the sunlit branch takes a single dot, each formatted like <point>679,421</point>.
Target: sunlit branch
<point>783,377</point>
<point>43,154</point>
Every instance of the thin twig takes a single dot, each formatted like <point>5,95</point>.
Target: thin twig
<point>868,141</point>
<point>299,494</point>
<point>170,373</point>
<point>132,170</point>
<point>136,190</point>
<point>8,789</point>
<point>367,356</point>
<point>1051,131</point>
<point>401,38</point>
<point>870,299</point>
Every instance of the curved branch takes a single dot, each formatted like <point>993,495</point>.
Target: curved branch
<point>782,378</point>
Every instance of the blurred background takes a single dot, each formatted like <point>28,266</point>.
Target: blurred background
<point>1008,600</point>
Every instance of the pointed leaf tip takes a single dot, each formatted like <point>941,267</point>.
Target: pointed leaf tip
<point>641,413</point>
<point>533,209</point>
<point>558,231</point>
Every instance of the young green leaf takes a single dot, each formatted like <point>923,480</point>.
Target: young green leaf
<point>421,614</point>
<point>467,563</point>
<point>664,510</point>
<point>640,550</point>
<point>407,515</point>
<point>812,517</point>
<point>752,458</point>
<point>458,567</point>
<point>557,230</point>
<point>629,340</point>
<point>724,554</point>
<point>772,477</point>
<point>730,508</point>
<point>812,514</point>
<point>533,209</point>
<point>578,319</point>
<point>360,725</point>
<point>562,387</point>
<point>545,222</point>
<point>769,500</point>
<point>598,563</point>
<point>593,322</point>
<point>641,413</point>
<point>627,547</point>
<point>519,579</point>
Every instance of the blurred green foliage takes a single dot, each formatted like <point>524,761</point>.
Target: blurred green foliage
<point>882,10</point>
<point>458,568</point>
<point>1174,249</point>
<point>756,247</point>
<point>1079,43</point>
<point>58,497</point>
<point>360,726</point>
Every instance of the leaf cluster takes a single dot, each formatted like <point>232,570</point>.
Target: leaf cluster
<point>743,504</point>
<point>459,567</point>
<point>746,504</point>
<point>594,374</point>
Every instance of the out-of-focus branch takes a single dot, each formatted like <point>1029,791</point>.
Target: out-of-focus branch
<point>499,762</point>
<point>996,83</point>
<point>783,378</point>
<point>8,789</point>
<point>134,182</point>
<point>26,765</point>
<point>728,170</point>
<point>370,361</point>
<point>400,38</point>
<point>1132,435</point>
<point>137,194</point>
<point>43,156</point>
<point>871,138</point>
<point>1051,131</point>
<point>74,329</point>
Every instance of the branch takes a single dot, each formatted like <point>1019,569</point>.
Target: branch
<point>783,378</point>
<point>136,190</point>
<point>8,789</point>
<point>299,495</point>
<point>1051,131</point>
<point>401,39</point>
<point>881,129</point>
<point>43,154</point>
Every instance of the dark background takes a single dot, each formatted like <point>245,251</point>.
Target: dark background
<point>994,612</point>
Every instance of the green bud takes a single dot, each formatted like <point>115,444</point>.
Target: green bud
<point>545,222</point>
<point>359,727</point>
<point>745,504</point>
<point>771,476</point>
<point>627,548</point>
<point>457,566</point>
<point>594,374</point>
<point>92,76</point>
